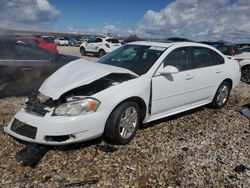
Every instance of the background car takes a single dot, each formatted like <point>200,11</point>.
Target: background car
<point>230,50</point>
<point>74,42</point>
<point>48,44</point>
<point>99,46</point>
<point>245,50</point>
<point>24,67</point>
<point>244,61</point>
<point>61,41</point>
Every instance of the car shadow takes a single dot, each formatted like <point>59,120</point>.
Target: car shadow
<point>90,55</point>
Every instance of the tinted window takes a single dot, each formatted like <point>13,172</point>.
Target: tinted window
<point>92,40</point>
<point>177,58</point>
<point>48,40</point>
<point>204,57</point>
<point>113,41</point>
<point>218,59</point>
<point>23,52</point>
<point>98,40</point>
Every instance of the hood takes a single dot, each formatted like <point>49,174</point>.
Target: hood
<point>75,74</point>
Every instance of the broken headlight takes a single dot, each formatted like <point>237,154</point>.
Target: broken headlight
<point>77,107</point>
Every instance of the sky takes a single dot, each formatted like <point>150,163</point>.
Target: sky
<point>212,20</point>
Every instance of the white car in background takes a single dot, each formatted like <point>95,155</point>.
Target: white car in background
<point>99,46</point>
<point>138,83</point>
<point>61,41</point>
<point>244,61</point>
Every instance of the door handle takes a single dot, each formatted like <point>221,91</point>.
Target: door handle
<point>218,71</point>
<point>189,77</point>
<point>26,68</point>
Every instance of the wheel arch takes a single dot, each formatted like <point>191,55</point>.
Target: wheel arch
<point>101,49</point>
<point>244,66</point>
<point>139,101</point>
<point>230,81</point>
<point>82,47</point>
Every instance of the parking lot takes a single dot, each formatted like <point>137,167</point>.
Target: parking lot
<point>74,51</point>
<point>198,148</point>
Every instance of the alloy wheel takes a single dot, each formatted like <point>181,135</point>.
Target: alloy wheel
<point>128,121</point>
<point>245,75</point>
<point>222,95</point>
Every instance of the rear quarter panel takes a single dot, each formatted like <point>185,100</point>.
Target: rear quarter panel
<point>232,71</point>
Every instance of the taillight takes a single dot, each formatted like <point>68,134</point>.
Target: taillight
<point>107,45</point>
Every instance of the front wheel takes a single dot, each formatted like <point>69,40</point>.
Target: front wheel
<point>245,74</point>
<point>122,124</point>
<point>222,95</point>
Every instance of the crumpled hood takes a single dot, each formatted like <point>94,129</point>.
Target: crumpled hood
<point>76,74</point>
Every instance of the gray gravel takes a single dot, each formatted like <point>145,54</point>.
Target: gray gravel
<point>199,148</point>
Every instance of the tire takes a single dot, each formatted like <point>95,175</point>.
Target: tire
<point>83,51</point>
<point>222,95</point>
<point>101,53</point>
<point>245,74</point>
<point>122,123</point>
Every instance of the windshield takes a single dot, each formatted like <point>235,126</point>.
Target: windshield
<point>137,58</point>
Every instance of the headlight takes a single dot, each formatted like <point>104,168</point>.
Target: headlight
<point>77,107</point>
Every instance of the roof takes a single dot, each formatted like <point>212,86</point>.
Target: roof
<point>168,44</point>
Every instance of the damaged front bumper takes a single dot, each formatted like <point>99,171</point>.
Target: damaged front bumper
<point>56,130</point>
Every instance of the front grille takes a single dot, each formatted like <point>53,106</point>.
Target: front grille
<point>23,129</point>
<point>36,109</point>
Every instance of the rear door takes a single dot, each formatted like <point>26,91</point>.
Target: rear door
<point>207,70</point>
<point>26,68</point>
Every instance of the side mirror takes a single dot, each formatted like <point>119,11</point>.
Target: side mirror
<point>169,70</point>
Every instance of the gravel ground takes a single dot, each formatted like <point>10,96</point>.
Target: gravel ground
<point>200,148</point>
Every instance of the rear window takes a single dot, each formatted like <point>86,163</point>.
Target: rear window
<point>113,41</point>
<point>48,40</point>
<point>223,49</point>
<point>23,52</point>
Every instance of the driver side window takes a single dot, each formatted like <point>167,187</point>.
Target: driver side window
<point>177,58</point>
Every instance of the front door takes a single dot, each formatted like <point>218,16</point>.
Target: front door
<point>173,92</point>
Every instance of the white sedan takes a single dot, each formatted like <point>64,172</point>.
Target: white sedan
<point>61,41</point>
<point>138,83</point>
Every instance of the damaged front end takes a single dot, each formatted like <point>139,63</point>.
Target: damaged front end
<point>72,117</point>
<point>39,104</point>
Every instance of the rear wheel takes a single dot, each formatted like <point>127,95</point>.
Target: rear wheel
<point>101,53</point>
<point>83,51</point>
<point>222,95</point>
<point>245,74</point>
<point>122,124</point>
